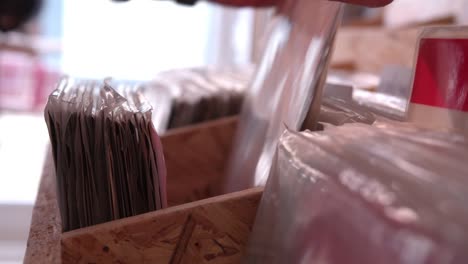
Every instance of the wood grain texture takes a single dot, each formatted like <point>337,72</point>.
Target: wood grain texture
<point>46,227</point>
<point>370,49</point>
<point>213,230</point>
<point>196,158</point>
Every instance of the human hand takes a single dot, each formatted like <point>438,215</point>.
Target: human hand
<point>264,3</point>
<point>370,3</point>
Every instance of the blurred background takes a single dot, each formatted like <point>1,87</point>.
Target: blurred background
<point>138,39</point>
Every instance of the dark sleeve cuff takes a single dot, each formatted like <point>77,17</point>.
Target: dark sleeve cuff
<point>186,2</point>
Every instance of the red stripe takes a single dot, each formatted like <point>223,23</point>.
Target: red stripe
<point>441,75</point>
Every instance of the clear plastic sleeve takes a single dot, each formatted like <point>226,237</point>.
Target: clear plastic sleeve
<point>385,105</point>
<point>108,157</point>
<point>365,194</point>
<point>286,90</point>
<point>338,112</point>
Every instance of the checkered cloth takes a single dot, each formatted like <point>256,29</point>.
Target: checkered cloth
<point>25,82</point>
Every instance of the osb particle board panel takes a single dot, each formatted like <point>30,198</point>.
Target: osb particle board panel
<point>46,228</point>
<point>195,158</point>
<point>213,230</point>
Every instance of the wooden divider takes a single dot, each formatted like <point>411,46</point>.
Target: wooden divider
<point>212,230</point>
<point>196,158</point>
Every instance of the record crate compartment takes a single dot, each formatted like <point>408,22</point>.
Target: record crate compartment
<point>199,226</point>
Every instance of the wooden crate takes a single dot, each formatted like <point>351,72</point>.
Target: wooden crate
<point>198,227</point>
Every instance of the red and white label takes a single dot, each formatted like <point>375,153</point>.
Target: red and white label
<point>440,87</point>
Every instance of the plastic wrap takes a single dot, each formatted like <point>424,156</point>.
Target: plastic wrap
<point>386,95</point>
<point>159,95</point>
<point>362,194</point>
<point>286,89</point>
<point>385,105</point>
<point>108,157</point>
<point>338,112</point>
<point>359,80</point>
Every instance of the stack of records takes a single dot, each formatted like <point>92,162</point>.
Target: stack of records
<point>197,95</point>
<point>356,194</point>
<point>108,157</point>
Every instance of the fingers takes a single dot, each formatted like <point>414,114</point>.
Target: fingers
<point>264,3</point>
<point>370,3</point>
<point>240,3</point>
